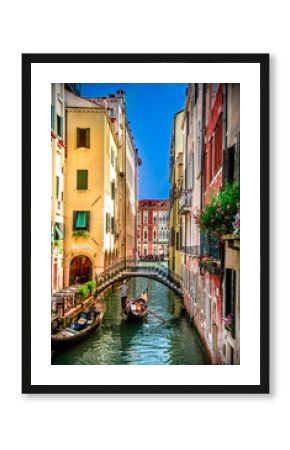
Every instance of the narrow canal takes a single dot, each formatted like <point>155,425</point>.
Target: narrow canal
<point>147,342</point>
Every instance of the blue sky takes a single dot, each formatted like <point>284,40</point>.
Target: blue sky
<point>150,109</point>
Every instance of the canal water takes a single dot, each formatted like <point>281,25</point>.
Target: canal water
<point>150,341</point>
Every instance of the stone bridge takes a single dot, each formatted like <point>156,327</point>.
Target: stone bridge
<point>155,270</point>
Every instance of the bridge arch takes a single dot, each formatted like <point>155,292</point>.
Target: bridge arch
<point>153,276</point>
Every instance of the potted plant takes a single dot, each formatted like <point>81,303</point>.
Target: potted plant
<point>218,216</point>
<point>84,292</point>
<point>228,322</point>
<point>83,233</point>
<point>91,285</point>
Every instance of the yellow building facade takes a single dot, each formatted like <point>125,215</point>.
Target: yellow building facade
<point>57,184</point>
<point>91,196</point>
<point>176,182</point>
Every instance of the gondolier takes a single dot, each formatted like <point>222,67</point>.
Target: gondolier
<point>137,308</point>
<point>124,294</point>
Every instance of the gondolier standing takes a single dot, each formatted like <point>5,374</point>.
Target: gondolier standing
<point>124,294</point>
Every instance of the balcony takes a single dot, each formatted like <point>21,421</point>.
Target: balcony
<point>211,248</point>
<point>192,250</point>
<point>185,201</point>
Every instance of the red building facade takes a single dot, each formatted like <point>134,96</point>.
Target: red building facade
<point>153,229</point>
<point>209,264</point>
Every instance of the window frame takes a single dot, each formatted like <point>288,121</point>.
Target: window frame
<point>87,137</point>
<point>78,181</point>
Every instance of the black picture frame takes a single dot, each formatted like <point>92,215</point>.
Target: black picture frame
<point>263,61</point>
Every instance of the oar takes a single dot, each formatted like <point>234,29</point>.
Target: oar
<point>157,315</point>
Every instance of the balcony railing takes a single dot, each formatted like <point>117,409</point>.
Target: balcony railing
<point>211,249</point>
<point>185,201</point>
<point>192,250</point>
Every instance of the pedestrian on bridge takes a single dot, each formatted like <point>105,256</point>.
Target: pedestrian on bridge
<point>124,294</point>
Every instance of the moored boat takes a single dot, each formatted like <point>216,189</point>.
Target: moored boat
<point>137,308</point>
<point>86,322</point>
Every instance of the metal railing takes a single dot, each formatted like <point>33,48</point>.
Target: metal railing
<point>192,250</point>
<point>212,249</point>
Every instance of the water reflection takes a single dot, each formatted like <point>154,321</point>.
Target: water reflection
<point>150,341</point>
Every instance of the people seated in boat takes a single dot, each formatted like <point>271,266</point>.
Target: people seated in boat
<point>140,304</point>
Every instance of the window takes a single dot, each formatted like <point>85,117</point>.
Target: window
<point>59,126</point>
<point>207,107</point>
<point>108,222</point>
<point>52,117</point>
<point>154,217</point>
<point>56,187</point>
<point>82,179</point>
<point>195,92</point>
<point>58,232</point>
<point>218,146</point>
<point>145,235</point>
<point>154,235</point>
<point>230,296</point>
<point>204,178</point>
<point>112,157</point>
<point>81,220</point>
<point>113,190</point>
<point>113,225</point>
<point>83,138</point>
<point>145,217</point>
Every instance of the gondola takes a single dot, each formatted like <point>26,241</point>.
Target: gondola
<point>137,308</point>
<point>84,326</point>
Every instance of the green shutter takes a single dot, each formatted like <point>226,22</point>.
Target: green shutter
<point>113,190</point>
<point>52,117</point>
<point>60,126</point>
<point>57,188</point>
<point>78,138</point>
<point>74,219</point>
<point>82,179</point>
<point>113,225</point>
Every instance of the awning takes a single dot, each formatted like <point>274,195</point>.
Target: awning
<point>81,221</point>
<point>59,234</point>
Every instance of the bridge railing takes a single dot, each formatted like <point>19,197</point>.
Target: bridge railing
<point>130,265</point>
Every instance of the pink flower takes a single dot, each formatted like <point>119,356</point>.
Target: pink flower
<point>226,218</point>
<point>229,206</point>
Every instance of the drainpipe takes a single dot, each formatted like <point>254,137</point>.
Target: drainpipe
<point>225,130</point>
<point>224,170</point>
<point>202,140</point>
